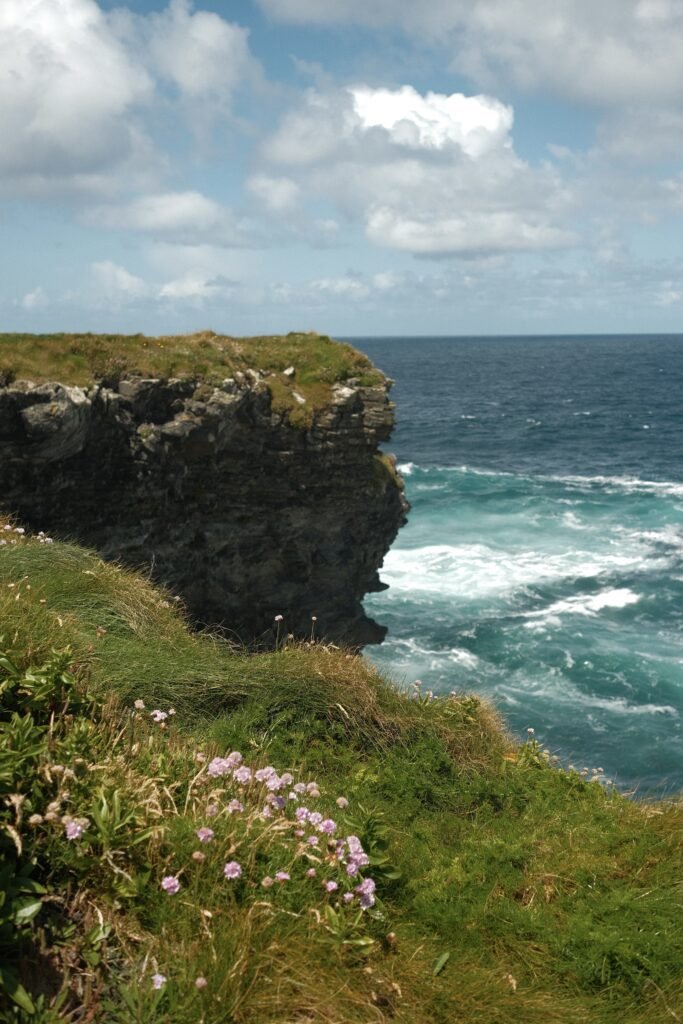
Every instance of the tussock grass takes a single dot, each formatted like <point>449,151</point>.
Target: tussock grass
<point>82,359</point>
<point>508,890</point>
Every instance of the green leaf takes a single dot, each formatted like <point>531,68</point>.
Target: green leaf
<point>441,963</point>
<point>16,992</point>
<point>27,912</point>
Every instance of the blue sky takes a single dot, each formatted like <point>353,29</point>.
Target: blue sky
<point>466,167</point>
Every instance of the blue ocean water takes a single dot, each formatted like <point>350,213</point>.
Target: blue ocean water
<point>542,564</point>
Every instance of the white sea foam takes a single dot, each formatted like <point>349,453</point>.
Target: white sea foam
<point>628,484</point>
<point>469,571</point>
<point>407,468</point>
<point>454,655</point>
<point>581,604</point>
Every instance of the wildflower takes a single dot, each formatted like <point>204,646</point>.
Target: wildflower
<point>274,782</point>
<point>311,786</point>
<point>263,774</point>
<point>266,812</point>
<point>315,818</point>
<point>75,827</point>
<point>311,873</point>
<point>19,529</point>
<point>531,731</point>
<point>170,884</point>
<point>354,844</point>
<point>281,876</point>
<point>279,618</point>
<point>366,891</point>
<point>213,809</point>
<point>200,983</point>
<point>139,705</point>
<point>232,870</point>
<point>199,857</point>
<point>348,897</point>
<point>299,832</point>
<point>328,826</point>
<point>314,793</point>
<point>286,779</point>
<point>267,882</point>
<point>158,716</point>
<point>235,805</point>
<point>158,980</point>
<point>171,711</point>
<point>331,886</point>
<point>300,787</point>
<point>199,757</point>
<point>242,775</point>
<point>312,840</point>
<point>342,803</point>
<point>302,813</point>
<point>35,819</point>
<point>204,835</point>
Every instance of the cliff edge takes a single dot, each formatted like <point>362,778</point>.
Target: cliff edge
<point>251,489</point>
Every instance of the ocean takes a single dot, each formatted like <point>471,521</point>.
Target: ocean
<point>542,564</point>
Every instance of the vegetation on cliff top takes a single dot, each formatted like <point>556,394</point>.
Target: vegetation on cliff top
<point>424,869</point>
<point>82,359</point>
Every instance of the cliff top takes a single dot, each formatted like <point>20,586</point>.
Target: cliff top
<point>424,867</point>
<point>83,359</point>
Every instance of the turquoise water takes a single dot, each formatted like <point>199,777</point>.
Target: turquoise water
<point>542,564</point>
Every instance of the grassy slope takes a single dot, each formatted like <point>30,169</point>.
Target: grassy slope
<point>83,358</point>
<point>556,901</point>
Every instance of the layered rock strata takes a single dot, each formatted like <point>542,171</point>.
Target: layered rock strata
<point>241,513</point>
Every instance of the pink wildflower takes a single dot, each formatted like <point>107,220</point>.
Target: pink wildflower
<point>235,805</point>
<point>232,870</point>
<point>242,775</point>
<point>328,826</point>
<point>267,882</point>
<point>158,980</point>
<point>75,827</point>
<point>158,716</point>
<point>281,876</point>
<point>311,873</point>
<point>204,835</point>
<point>139,705</point>
<point>170,884</point>
<point>200,983</point>
<point>331,886</point>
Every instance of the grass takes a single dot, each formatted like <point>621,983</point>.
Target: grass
<point>83,359</point>
<point>508,890</point>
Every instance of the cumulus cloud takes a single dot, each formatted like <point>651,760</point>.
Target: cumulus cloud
<point>35,299</point>
<point>67,90</point>
<point>203,55</point>
<point>605,53</point>
<point>116,283</point>
<point>428,174</point>
<point>182,216</point>
<point>278,194</point>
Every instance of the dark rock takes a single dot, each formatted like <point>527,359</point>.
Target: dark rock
<point>241,513</point>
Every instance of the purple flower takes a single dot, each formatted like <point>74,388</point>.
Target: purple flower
<point>232,870</point>
<point>170,884</point>
<point>158,980</point>
<point>204,835</point>
<point>315,818</point>
<point>242,775</point>
<point>158,716</point>
<point>311,786</point>
<point>212,810</point>
<point>266,812</point>
<point>328,826</point>
<point>311,873</point>
<point>331,886</point>
<point>348,897</point>
<point>300,787</point>
<point>218,766</point>
<point>235,805</point>
<point>200,983</point>
<point>264,773</point>
<point>75,827</point>
<point>301,813</point>
<point>366,891</point>
<point>312,840</point>
<point>274,782</point>
<point>354,844</point>
<point>281,876</point>
<point>286,779</point>
<point>234,759</point>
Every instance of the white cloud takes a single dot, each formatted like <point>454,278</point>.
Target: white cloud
<point>115,283</point>
<point>195,286</point>
<point>203,55</point>
<point>67,91</point>
<point>183,216</point>
<point>611,52</point>
<point>35,299</point>
<point>476,124</point>
<point>431,175</point>
<point>278,194</point>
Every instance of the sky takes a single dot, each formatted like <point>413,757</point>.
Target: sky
<point>355,167</point>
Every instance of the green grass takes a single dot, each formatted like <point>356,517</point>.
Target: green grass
<point>81,359</point>
<point>537,897</point>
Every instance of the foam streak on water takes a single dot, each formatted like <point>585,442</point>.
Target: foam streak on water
<point>542,564</point>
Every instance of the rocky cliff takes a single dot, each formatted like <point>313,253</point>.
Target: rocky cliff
<point>236,508</point>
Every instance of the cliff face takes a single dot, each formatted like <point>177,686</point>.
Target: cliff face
<point>235,509</point>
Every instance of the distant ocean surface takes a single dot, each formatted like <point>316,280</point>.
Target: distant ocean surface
<point>542,565</point>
